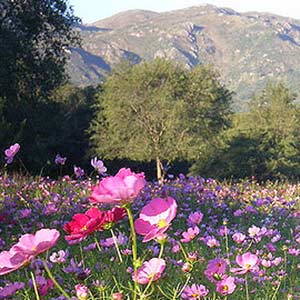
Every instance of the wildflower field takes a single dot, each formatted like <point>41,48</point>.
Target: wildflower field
<point>119,237</point>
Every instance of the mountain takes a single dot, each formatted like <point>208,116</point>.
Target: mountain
<point>247,49</point>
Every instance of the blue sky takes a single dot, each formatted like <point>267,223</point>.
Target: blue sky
<point>93,10</point>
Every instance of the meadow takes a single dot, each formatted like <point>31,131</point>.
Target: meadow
<point>120,237</point>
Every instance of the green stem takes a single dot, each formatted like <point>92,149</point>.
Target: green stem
<point>247,288</point>
<point>35,287</point>
<point>97,244</point>
<point>55,282</point>
<point>161,249</point>
<point>116,245</point>
<point>134,248</point>
<point>276,291</point>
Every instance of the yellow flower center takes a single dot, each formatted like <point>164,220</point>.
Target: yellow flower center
<point>247,266</point>
<point>84,228</point>
<point>225,288</point>
<point>195,295</point>
<point>162,223</point>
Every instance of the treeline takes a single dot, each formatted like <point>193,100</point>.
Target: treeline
<point>150,116</point>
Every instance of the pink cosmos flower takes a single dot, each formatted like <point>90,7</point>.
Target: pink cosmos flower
<point>238,237</point>
<point>194,292</point>
<point>34,244</point>
<point>121,188</point>
<point>190,234</point>
<point>150,271</point>
<point>226,286</point>
<point>11,152</point>
<point>216,269</point>
<point>155,218</point>
<point>82,291</point>
<point>29,246</point>
<point>248,262</point>
<point>98,165</point>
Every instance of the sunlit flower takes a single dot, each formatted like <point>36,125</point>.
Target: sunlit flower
<point>11,152</point>
<point>248,262</point>
<point>226,286</point>
<point>98,165</point>
<point>194,292</point>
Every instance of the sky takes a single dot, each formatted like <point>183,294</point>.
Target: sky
<point>93,10</point>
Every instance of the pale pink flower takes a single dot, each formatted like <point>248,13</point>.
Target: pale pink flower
<point>150,271</point>
<point>34,244</point>
<point>238,237</point>
<point>11,261</point>
<point>212,242</point>
<point>11,152</point>
<point>121,188</point>
<point>155,218</point>
<point>196,217</point>
<point>248,262</point>
<point>82,291</point>
<point>253,231</point>
<point>226,286</point>
<point>190,234</point>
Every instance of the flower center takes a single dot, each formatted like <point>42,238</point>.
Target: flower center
<point>225,288</point>
<point>248,266</point>
<point>162,223</point>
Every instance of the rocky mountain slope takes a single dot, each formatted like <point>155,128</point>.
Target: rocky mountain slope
<point>248,49</point>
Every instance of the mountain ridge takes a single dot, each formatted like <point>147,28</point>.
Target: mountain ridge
<point>247,49</point>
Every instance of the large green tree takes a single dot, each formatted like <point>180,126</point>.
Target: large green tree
<point>159,111</point>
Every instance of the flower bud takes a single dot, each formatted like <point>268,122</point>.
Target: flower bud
<point>82,292</point>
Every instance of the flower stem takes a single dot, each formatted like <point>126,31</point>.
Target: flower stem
<point>35,287</point>
<point>134,248</point>
<point>161,249</point>
<point>116,245</point>
<point>247,288</point>
<point>55,282</point>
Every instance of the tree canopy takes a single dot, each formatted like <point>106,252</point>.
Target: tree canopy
<point>159,111</point>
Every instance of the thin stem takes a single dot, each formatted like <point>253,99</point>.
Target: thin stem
<point>116,245</point>
<point>276,291</point>
<point>162,245</point>
<point>247,288</point>
<point>98,245</point>
<point>134,249</point>
<point>35,287</point>
<point>55,282</point>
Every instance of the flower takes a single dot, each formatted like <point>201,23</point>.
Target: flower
<point>155,218</point>
<point>43,284</point>
<point>215,270</point>
<point>190,234</point>
<point>121,188</point>
<point>248,262</point>
<point>150,271</point>
<point>10,289</point>
<point>196,217</point>
<point>83,225</point>
<point>238,237</point>
<point>194,292</point>
<point>59,257</point>
<point>98,165</point>
<point>11,152</point>
<point>34,244</point>
<point>226,286</point>
<point>82,291</point>
<point>78,172</point>
<point>29,246</point>
<point>59,160</point>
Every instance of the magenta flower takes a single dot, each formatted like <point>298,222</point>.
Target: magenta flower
<point>34,244</point>
<point>226,286</point>
<point>121,188</point>
<point>216,269</point>
<point>190,234</point>
<point>248,262</point>
<point>98,165</point>
<point>11,152</point>
<point>150,271</point>
<point>194,292</point>
<point>155,218</point>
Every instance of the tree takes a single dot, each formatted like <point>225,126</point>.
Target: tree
<point>263,142</point>
<point>158,111</point>
<point>35,36</point>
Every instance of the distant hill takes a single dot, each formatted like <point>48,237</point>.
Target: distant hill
<point>248,49</point>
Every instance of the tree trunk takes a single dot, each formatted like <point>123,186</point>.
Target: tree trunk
<point>159,173</point>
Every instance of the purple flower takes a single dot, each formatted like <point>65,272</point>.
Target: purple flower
<point>98,165</point>
<point>11,152</point>
<point>59,160</point>
<point>10,289</point>
<point>194,292</point>
<point>190,234</point>
<point>78,172</point>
